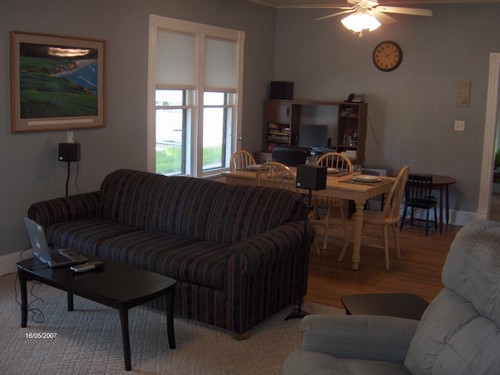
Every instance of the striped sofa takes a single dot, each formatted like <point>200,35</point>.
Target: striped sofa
<point>237,252</point>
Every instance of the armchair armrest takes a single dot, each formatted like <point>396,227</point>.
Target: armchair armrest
<point>358,336</point>
<point>80,206</point>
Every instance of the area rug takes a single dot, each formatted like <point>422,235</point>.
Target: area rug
<point>88,339</point>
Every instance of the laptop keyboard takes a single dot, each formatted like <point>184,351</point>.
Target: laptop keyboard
<point>61,255</point>
<point>57,257</point>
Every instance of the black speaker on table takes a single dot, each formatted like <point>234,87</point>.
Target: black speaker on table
<point>312,177</point>
<point>69,152</point>
<point>281,90</point>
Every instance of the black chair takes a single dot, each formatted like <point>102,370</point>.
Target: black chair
<point>290,156</point>
<point>418,196</point>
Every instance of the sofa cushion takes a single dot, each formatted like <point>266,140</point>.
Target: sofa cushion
<point>85,235</point>
<point>239,212</point>
<point>126,196</point>
<point>180,257</point>
<point>181,205</point>
<point>177,205</point>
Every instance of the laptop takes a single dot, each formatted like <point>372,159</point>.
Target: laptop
<point>53,257</point>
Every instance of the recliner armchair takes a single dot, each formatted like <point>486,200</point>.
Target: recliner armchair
<point>459,333</point>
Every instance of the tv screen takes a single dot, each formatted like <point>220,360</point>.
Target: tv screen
<point>313,136</point>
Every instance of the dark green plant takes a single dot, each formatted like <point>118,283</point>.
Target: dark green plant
<point>497,159</point>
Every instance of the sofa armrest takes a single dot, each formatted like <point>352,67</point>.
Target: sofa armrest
<point>358,336</point>
<point>265,273</point>
<point>75,207</point>
<point>256,252</point>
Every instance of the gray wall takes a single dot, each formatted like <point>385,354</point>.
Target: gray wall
<point>412,109</point>
<point>29,170</point>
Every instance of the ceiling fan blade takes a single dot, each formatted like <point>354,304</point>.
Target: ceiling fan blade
<point>383,18</point>
<point>314,6</point>
<point>334,15</point>
<point>409,11</point>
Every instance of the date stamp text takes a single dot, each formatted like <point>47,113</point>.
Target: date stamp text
<point>41,335</point>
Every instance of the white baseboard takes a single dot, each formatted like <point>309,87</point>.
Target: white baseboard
<point>465,217</point>
<point>8,263</point>
<point>456,217</point>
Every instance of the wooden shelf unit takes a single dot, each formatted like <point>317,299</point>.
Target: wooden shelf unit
<point>282,124</point>
<point>351,129</point>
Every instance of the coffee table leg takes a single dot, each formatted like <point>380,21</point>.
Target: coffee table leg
<point>24,299</point>
<point>125,337</point>
<point>170,317</point>
<point>70,301</point>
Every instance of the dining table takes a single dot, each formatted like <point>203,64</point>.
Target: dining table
<point>340,185</point>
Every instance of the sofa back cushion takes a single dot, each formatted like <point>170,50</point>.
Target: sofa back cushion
<point>459,332</point>
<point>178,205</point>
<point>126,196</point>
<point>181,205</point>
<point>239,212</point>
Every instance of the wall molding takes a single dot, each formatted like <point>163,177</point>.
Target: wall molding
<point>485,186</point>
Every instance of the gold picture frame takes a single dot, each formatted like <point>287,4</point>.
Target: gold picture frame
<point>57,82</point>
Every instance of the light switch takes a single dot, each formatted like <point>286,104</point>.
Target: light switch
<point>459,126</point>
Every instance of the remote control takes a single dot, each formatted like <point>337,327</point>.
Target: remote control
<point>87,266</point>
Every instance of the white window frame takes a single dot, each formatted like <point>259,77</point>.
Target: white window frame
<point>201,31</point>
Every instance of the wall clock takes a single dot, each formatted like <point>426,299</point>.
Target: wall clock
<point>387,55</point>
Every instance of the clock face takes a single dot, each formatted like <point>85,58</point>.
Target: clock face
<point>387,56</point>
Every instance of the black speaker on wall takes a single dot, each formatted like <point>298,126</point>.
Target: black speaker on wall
<point>312,177</point>
<point>69,152</point>
<point>281,90</point>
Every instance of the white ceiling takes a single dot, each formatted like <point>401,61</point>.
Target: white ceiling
<point>326,3</point>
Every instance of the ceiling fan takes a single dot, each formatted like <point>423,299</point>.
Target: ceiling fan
<point>368,14</point>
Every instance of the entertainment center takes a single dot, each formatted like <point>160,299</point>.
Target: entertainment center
<point>346,122</point>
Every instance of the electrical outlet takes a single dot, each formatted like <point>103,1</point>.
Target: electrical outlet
<point>459,126</point>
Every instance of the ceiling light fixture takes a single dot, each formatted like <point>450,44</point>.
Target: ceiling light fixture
<point>359,21</point>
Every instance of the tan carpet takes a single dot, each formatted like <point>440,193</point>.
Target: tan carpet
<point>88,340</point>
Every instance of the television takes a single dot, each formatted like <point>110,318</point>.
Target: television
<point>313,136</point>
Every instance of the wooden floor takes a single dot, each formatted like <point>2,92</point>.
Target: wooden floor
<point>418,271</point>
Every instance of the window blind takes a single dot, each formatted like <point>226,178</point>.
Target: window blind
<point>176,60</point>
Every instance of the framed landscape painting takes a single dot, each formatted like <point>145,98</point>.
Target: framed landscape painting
<point>57,82</point>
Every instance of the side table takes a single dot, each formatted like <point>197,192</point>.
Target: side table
<point>402,305</point>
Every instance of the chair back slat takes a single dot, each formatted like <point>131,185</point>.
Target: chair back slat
<point>276,175</point>
<point>240,160</point>
<point>418,188</point>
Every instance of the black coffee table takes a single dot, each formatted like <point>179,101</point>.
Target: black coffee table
<point>115,285</point>
<point>402,305</point>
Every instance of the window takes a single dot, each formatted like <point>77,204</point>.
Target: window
<point>195,75</point>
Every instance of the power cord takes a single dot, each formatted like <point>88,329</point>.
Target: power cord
<point>76,176</point>
<point>376,140</point>
<point>35,313</point>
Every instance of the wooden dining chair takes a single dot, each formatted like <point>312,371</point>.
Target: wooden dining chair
<point>240,160</point>
<point>276,175</point>
<point>323,207</point>
<point>418,196</point>
<point>387,218</point>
